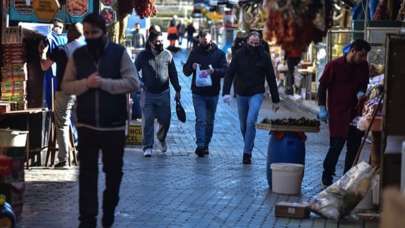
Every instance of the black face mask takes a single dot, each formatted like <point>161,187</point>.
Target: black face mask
<point>96,46</point>
<point>158,48</point>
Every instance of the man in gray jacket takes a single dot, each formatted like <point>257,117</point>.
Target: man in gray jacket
<point>100,73</point>
<point>157,67</point>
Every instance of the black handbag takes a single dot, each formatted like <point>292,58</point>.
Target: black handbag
<point>181,114</point>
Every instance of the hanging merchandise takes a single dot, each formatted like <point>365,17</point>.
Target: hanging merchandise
<point>143,8</point>
<point>107,2</point>
<point>295,24</point>
<point>253,15</point>
<point>77,8</point>
<point>401,12</point>
<point>108,11</point>
<point>109,15</point>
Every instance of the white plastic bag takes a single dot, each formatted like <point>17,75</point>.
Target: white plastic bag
<point>202,77</point>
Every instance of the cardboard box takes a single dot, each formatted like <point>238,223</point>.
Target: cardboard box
<point>4,107</point>
<point>292,210</point>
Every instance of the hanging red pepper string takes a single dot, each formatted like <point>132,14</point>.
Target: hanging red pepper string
<point>143,8</point>
<point>293,26</point>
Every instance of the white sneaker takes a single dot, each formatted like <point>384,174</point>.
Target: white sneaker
<point>163,146</point>
<point>147,153</point>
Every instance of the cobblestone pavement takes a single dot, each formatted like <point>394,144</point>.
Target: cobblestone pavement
<point>177,189</point>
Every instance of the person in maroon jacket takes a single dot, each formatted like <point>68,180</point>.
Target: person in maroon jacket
<point>344,80</point>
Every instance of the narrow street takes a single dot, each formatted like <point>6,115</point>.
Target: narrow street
<point>178,189</point>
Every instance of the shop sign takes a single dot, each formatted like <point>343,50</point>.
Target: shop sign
<point>45,9</point>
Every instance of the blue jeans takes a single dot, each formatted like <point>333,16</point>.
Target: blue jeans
<point>204,108</point>
<point>248,108</point>
<point>155,106</point>
<point>136,106</point>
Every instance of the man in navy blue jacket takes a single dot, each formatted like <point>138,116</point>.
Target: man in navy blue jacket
<point>212,63</point>
<point>100,74</point>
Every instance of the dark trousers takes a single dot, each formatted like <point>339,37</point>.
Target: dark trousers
<point>111,143</point>
<point>136,106</point>
<point>353,142</point>
<point>291,63</point>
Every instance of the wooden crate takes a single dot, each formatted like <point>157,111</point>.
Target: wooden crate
<point>272,127</point>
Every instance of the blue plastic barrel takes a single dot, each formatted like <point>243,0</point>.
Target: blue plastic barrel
<point>289,149</point>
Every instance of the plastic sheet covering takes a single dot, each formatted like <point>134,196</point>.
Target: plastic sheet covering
<point>339,199</point>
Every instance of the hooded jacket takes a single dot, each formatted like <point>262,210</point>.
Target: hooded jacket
<point>210,56</point>
<point>250,70</point>
<point>157,71</point>
<point>103,108</point>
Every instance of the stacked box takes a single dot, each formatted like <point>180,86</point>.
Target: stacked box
<point>5,107</point>
<point>12,181</point>
<point>12,159</point>
<point>14,76</point>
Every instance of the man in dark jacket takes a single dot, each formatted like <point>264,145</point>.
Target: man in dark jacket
<point>190,30</point>
<point>157,66</point>
<point>345,81</point>
<point>138,39</point>
<point>101,74</point>
<point>250,67</point>
<point>212,63</point>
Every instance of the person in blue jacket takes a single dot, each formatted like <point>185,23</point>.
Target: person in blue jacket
<point>54,39</point>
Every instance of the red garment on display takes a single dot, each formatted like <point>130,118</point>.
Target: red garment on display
<point>343,81</point>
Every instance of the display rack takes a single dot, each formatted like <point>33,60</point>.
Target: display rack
<point>13,71</point>
<point>337,39</point>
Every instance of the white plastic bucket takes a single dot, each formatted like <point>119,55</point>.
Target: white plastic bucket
<point>287,178</point>
<point>12,138</point>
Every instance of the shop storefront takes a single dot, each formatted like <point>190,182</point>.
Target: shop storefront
<point>321,44</point>
<point>26,123</point>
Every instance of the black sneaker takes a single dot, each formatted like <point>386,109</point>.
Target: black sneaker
<point>61,164</point>
<point>200,152</point>
<point>108,220</point>
<point>326,180</point>
<point>247,159</point>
